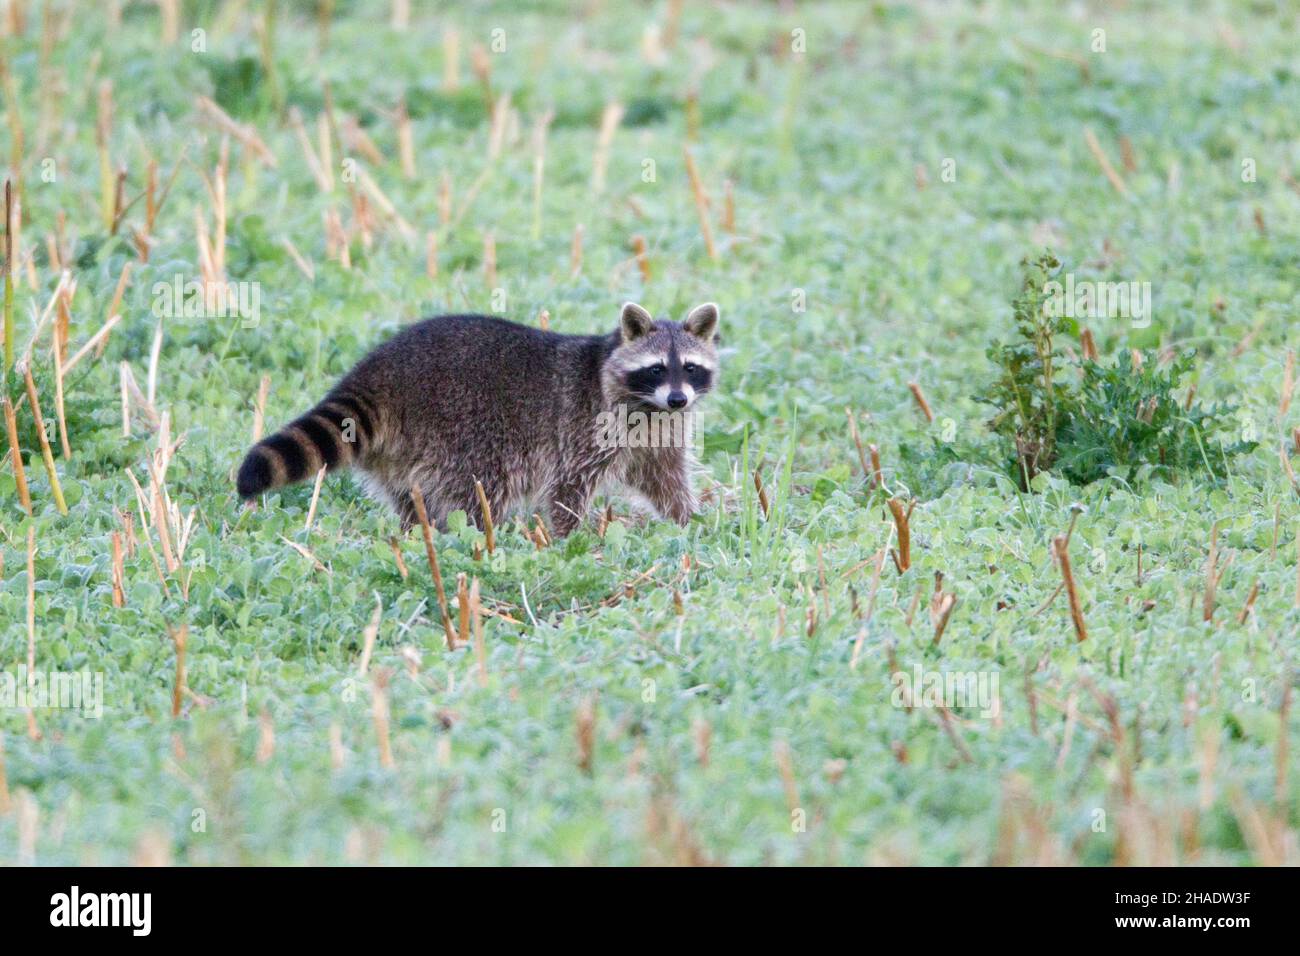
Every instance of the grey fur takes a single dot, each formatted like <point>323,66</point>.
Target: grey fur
<point>462,397</point>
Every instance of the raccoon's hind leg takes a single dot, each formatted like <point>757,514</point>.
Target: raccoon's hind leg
<point>568,499</point>
<point>663,476</point>
<point>405,508</point>
<point>402,500</point>
<point>437,506</point>
<point>501,498</point>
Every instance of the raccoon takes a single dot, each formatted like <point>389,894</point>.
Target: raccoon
<point>459,398</point>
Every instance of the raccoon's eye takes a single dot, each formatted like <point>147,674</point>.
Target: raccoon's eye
<point>689,367</point>
<point>657,369</point>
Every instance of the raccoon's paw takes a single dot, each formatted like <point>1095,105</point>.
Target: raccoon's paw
<point>563,523</point>
<point>680,510</point>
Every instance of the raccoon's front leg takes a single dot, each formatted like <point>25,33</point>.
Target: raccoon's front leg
<point>663,476</point>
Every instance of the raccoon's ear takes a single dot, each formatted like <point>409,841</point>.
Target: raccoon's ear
<point>635,321</point>
<point>703,321</point>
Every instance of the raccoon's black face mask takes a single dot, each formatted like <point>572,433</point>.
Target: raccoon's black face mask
<point>666,365</point>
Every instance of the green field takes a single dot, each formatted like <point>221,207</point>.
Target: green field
<point>719,693</point>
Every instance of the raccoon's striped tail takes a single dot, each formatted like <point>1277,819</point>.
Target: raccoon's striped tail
<point>332,435</point>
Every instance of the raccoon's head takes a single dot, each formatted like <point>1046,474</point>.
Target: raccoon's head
<point>665,365</point>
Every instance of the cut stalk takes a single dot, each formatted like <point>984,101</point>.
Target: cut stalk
<point>123,372</point>
<point>1103,161</point>
<point>119,592</point>
<point>857,442</point>
<point>539,168</point>
<point>642,261</point>
<point>1212,574</point>
<point>701,203</point>
<point>246,135</point>
<point>405,140</point>
<point>609,120</point>
<point>20,475</point>
<point>1089,345</point>
<point>417,499</point>
<point>304,266</point>
<point>368,637</point>
<point>921,403</point>
<point>324,144</point>
<point>103,132</point>
<point>92,344</point>
<point>315,497</point>
<point>785,765</point>
<point>902,522</point>
<point>462,608</point>
<point>259,409</point>
<point>9,280</point>
<point>59,414</point>
<point>444,198</point>
<point>941,606</point>
<point>180,638</point>
<point>265,737</point>
<point>318,172</point>
<point>1061,545</point>
<point>451,60</point>
<point>1249,606</point>
<point>338,755</point>
<point>585,730</point>
<point>488,529</point>
<point>397,556</point>
<point>575,252</point>
<point>481,64</point>
<point>431,254</point>
<point>763,503</point>
<point>46,455</point>
<point>480,648</point>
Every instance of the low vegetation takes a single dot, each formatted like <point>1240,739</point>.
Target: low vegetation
<point>1113,567</point>
<point>1062,408</point>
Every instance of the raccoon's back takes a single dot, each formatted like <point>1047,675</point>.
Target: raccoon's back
<point>459,372</point>
<point>470,388</point>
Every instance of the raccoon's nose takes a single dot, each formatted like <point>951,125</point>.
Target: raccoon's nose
<point>676,399</point>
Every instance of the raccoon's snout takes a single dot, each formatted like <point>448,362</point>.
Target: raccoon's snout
<point>672,398</point>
